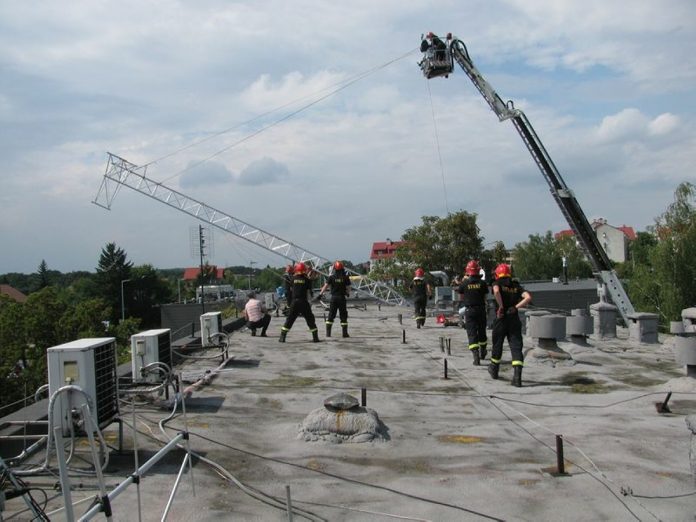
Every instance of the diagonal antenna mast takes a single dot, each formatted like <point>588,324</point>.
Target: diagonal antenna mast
<point>120,172</point>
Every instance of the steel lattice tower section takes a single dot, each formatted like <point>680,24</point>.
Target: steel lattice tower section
<point>121,173</point>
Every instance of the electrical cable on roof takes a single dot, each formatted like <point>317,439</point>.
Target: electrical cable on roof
<point>437,144</point>
<point>497,407</point>
<point>340,86</point>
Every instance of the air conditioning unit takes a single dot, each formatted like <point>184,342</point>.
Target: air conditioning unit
<point>211,323</point>
<point>91,365</point>
<point>151,346</point>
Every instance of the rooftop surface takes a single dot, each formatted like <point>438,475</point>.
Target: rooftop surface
<point>464,447</point>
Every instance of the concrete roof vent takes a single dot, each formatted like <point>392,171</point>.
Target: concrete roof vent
<point>342,419</point>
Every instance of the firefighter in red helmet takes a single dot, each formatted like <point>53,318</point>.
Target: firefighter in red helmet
<point>287,283</point>
<point>473,291</point>
<point>509,296</point>
<point>422,291</point>
<point>339,283</point>
<point>301,292</point>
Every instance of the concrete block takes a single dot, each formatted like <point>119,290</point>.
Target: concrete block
<point>676,327</point>
<point>549,327</point>
<point>529,318</point>
<point>604,320</point>
<point>642,327</point>
<point>579,325</point>
<point>691,424</point>
<point>685,350</point>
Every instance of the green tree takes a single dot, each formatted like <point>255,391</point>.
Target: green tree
<point>542,258</point>
<point>145,292</point>
<point>113,268</point>
<point>42,276</point>
<point>666,284</point>
<point>442,243</point>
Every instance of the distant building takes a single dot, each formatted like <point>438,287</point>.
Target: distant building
<point>382,250</point>
<point>13,293</point>
<point>614,240</point>
<point>191,274</point>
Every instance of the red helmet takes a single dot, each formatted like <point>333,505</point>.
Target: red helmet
<point>502,270</point>
<point>300,268</point>
<point>289,269</point>
<point>472,268</point>
<point>419,272</point>
<point>338,265</point>
<point>430,34</point>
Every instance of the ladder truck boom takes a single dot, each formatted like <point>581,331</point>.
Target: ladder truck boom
<point>435,64</point>
<point>122,173</point>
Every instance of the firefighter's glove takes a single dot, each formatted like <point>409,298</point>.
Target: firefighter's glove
<point>512,310</point>
<point>500,312</point>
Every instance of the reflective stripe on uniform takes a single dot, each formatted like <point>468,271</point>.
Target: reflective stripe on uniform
<point>517,363</point>
<point>473,346</point>
<point>495,361</point>
<point>283,329</point>
<point>329,323</point>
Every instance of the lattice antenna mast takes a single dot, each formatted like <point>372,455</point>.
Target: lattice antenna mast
<point>121,173</point>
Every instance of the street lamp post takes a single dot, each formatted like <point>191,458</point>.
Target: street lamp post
<point>123,305</point>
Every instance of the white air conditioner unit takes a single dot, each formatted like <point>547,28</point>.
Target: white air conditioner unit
<point>91,365</point>
<point>151,346</point>
<point>211,323</point>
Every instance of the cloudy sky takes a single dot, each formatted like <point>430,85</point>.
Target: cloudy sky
<point>311,120</point>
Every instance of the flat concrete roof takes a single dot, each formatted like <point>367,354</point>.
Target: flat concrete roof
<point>462,448</point>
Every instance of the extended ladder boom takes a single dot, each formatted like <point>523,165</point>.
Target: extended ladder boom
<point>564,197</point>
<point>120,172</point>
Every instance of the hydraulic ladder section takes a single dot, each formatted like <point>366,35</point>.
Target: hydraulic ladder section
<point>121,173</point>
<point>559,190</point>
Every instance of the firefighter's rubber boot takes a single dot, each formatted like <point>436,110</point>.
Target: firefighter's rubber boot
<point>493,369</point>
<point>517,377</point>
<point>345,330</point>
<point>283,335</point>
<point>315,337</point>
<point>328,330</point>
<point>417,323</point>
<point>482,352</point>
<point>477,359</point>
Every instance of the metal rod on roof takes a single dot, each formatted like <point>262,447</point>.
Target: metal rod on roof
<point>559,455</point>
<point>289,502</point>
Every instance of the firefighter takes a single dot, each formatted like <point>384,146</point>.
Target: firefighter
<point>287,284</point>
<point>473,291</point>
<point>301,292</point>
<point>421,293</point>
<point>510,296</point>
<point>339,282</point>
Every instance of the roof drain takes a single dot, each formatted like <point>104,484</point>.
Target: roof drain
<point>342,419</point>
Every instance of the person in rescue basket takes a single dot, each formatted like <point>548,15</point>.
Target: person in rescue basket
<point>474,291</point>
<point>339,282</point>
<point>510,296</point>
<point>421,293</point>
<point>301,292</point>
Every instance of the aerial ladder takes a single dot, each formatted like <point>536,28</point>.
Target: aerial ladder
<point>438,60</point>
<point>121,173</point>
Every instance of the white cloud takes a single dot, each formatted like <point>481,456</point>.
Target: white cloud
<point>205,174</point>
<point>663,124</point>
<point>168,83</point>
<point>262,172</point>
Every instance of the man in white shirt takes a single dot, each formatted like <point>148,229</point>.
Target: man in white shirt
<point>256,315</point>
